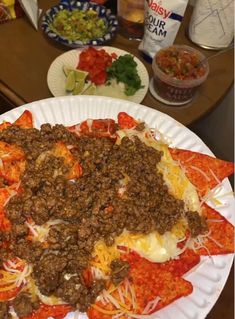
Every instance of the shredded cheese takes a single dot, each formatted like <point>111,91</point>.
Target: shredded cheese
<point>200,171</point>
<point>103,256</point>
<point>13,275</point>
<point>40,233</point>
<point>151,305</point>
<point>106,312</point>
<point>11,194</point>
<point>215,177</point>
<point>13,313</point>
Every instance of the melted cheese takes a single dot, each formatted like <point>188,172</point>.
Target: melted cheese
<point>154,247</point>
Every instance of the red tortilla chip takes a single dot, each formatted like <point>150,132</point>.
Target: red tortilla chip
<point>94,313</point>
<point>61,150</point>
<point>4,195</point>
<point>125,121</point>
<point>12,171</point>
<point>25,121</point>
<point>203,171</point>
<point>221,234</point>
<point>150,282</point>
<point>9,152</point>
<point>9,294</point>
<point>4,125</point>
<point>178,267</point>
<point>45,311</point>
<point>75,171</point>
<point>95,128</point>
<point>159,279</point>
<point>186,261</point>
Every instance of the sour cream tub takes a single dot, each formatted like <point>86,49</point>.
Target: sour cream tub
<point>179,71</point>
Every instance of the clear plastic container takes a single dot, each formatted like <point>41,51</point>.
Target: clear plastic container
<point>171,90</point>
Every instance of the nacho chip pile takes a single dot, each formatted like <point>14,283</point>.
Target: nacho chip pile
<point>149,286</point>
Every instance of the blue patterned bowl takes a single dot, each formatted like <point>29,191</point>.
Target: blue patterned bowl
<point>103,13</point>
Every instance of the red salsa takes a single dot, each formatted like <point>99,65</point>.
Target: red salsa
<point>180,64</point>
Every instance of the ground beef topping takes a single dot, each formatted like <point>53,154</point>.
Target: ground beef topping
<point>120,189</point>
<point>119,270</point>
<point>3,311</point>
<point>23,305</point>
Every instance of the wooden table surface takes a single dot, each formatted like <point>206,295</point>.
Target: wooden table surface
<point>27,54</point>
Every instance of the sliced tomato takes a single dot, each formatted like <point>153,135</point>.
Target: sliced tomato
<point>95,62</point>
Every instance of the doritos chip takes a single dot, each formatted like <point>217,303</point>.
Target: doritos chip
<point>95,128</point>
<point>220,239</point>
<point>180,266</point>
<point>4,125</point>
<point>45,311</point>
<point>61,150</point>
<point>75,169</point>
<point>125,121</point>
<point>101,311</point>
<point>12,171</point>
<point>204,172</point>
<point>9,152</point>
<point>5,194</point>
<point>186,261</point>
<point>25,120</point>
<point>151,282</point>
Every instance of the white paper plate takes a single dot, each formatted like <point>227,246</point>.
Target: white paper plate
<point>210,276</point>
<point>56,77</point>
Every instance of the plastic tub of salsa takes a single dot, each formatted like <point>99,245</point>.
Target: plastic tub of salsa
<point>178,72</point>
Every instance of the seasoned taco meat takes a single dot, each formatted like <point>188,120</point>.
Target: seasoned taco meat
<point>119,270</point>
<point>120,189</point>
<point>23,305</point>
<point>3,311</point>
<point>196,223</point>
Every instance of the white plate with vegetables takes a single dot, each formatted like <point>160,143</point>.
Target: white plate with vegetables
<point>125,75</point>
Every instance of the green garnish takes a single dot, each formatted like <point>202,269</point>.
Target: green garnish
<point>124,70</point>
<point>78,25</point>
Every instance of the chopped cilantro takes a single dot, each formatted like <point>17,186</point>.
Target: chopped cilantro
<point>124,69</point>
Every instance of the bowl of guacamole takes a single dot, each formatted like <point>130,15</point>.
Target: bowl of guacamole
<point>79,23</point>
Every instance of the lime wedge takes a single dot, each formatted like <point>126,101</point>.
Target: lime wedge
<point>90,90</point>
<point>80,75</point>
<point>79,86</point>
<point>67,70</point>
<point>70,82</point>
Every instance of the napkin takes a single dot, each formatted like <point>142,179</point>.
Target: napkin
<point>32,11</point>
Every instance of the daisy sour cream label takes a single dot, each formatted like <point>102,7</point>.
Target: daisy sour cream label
<point>162,22</point>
